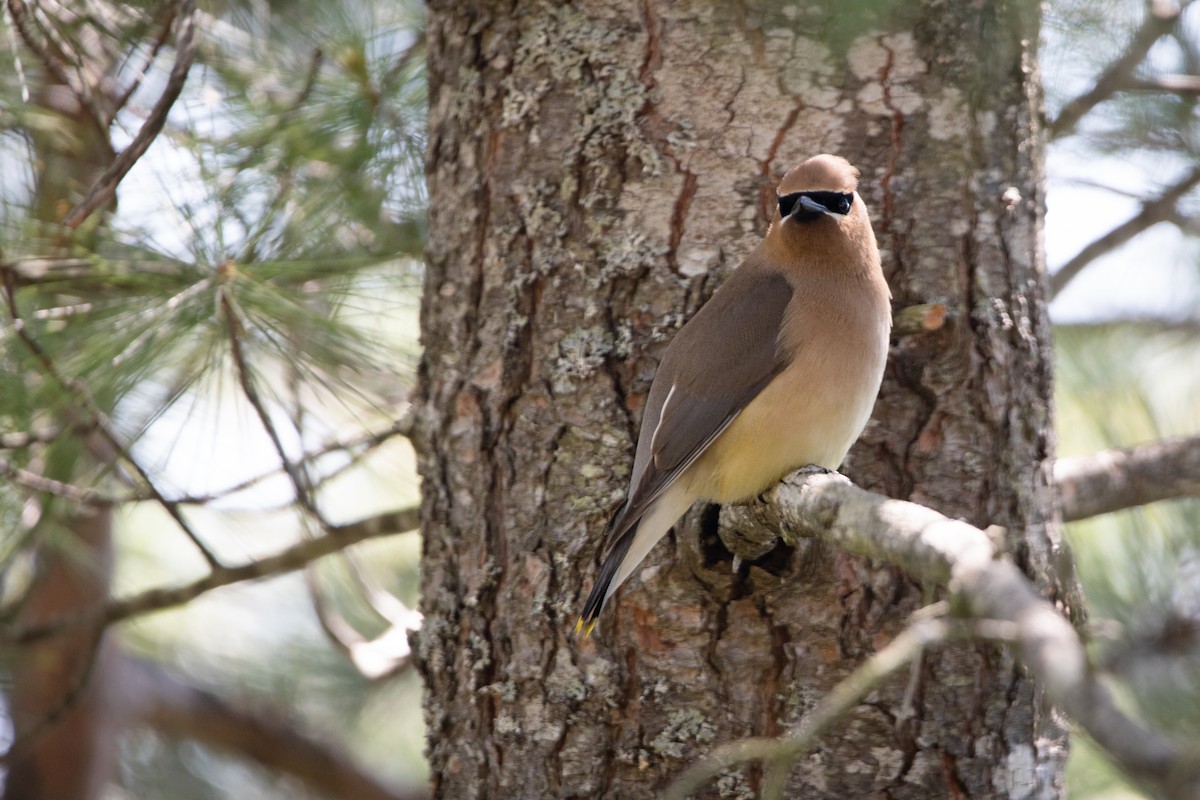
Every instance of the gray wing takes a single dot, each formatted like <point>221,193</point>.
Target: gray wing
<point>717,363</point>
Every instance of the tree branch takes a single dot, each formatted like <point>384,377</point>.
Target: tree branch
<point>236,328</point>
<point>1160,209</point>
<point>105,187</point>
<point>34,482</point>
<point>1138,324</point>
<point>387,654</point>
<point>19,13</point>
<point>19,440</point>
<point>1161,16</point>
<point>136,82</point>
<point>1172,84</point>
<point>1111,480</point>
<point>934,549</point>
<point>181,710</point>
<point>41,271</point>
<point>286,560</point>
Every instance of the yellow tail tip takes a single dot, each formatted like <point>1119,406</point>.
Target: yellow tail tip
<point>586,631</point>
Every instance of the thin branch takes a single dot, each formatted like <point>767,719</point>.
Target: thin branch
<point>389,607</point>
<point>105,187</point>
<point>64,312</point>
<point>414,51</point>
<point>934,549</point>
<point>1111,480</point>
<point>1172,84</point>
<point>1160,19</point>
<point>1160,209</point>
<point>17,440</point>
<point>367,442</point>
<point>286,560</point>
<point>316,60</point>
<point>179,709</point>
<point>40,271</point>
<point>1095,183</point>
<point>34,482</point>
<point>338,630</point>
<point>136,82</point>
<point>269,216</point>
<point>1189,326</point>
<point>18,65</point>
<point>834,706</point>
<point>387,654</point>
<point>19,13</point>
<point>300,483</point>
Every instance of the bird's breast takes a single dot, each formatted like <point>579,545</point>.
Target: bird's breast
<point>811,413</point>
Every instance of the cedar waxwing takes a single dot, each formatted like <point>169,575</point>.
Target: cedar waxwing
<point>778,370</point>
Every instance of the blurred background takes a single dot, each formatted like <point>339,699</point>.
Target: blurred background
<point>251,322</point>
<point>1122,82</point>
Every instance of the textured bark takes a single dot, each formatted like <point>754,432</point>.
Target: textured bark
<point>594,172</point>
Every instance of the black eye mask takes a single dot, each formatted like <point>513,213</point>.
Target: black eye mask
<point>810,205</point>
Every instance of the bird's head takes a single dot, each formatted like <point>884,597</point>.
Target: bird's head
<point>822,186</point>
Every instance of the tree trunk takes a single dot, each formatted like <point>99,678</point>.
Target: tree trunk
<point>594,173</point>
<point>62,710</point>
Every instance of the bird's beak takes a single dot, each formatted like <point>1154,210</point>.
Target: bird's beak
<point>812,206</point>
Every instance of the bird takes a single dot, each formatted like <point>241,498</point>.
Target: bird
<point>778,370</point>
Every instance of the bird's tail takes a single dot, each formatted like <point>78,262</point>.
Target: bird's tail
<point>630,547</point>
<point>600,590</point>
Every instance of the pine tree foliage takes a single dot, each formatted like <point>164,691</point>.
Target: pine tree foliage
<point>282,198</point>
<point>253,280</point>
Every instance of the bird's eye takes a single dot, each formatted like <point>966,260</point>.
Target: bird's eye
<point>833,202</point>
